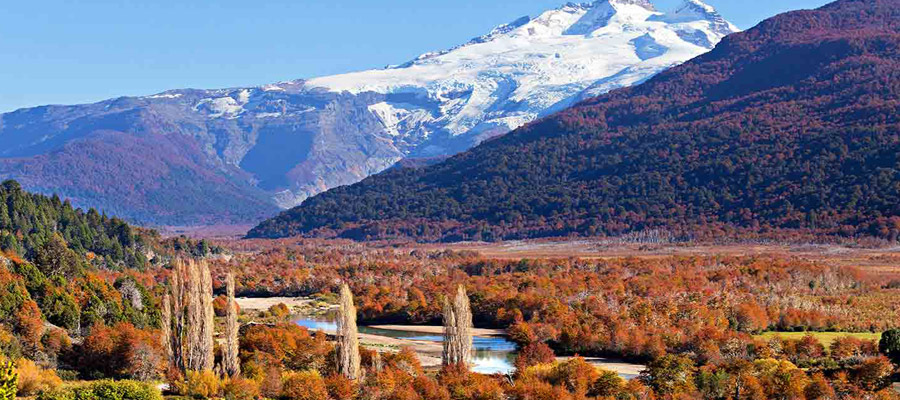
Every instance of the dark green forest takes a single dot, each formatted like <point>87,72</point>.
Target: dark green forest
<point>31,225</point>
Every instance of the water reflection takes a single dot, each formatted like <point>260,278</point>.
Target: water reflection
<point>493,354</point>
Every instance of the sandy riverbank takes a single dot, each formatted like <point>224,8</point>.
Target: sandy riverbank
<point>263,303</point>
<point>429,352</point>
<point>622,368</point>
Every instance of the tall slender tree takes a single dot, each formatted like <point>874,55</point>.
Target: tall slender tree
<point>348,336</point>
<point>167,327</point>
<point>195,319</point>
<point>208,326</point>
<point>178,290</point>
<point>448,356</point>
<point>457,329</point>
<point>230,356</point>
<point>191,333</point>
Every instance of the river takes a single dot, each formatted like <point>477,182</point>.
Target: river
<point>493,354</point>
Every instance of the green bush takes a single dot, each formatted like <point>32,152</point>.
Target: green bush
<point>890,345</point>
<point>8,381</point>
<point>105,390</point>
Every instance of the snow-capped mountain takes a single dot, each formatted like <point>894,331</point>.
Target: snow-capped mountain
<point>530,67</point>
<point>290,140</point>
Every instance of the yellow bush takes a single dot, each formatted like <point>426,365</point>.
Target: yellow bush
<point>540,371</point>
<point>279,311</point>
<point>305,385</point>
<point>240,389</point>
<point>199,385</point>
<point>34,379</point>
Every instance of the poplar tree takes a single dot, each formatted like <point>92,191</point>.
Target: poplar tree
<point>167,327</point>
<point>457,330</point>
<point>190,336</point>
<point>348,336</point>
<point>230,357</point>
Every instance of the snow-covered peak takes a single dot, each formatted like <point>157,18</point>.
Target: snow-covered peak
<point>586,18</point>
<point>697,10</point>
<point>701,10</point>
<point>532,66</point>
<point>697,6</point>
<point>646,4</point>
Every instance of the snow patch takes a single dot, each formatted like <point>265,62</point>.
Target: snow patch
<point>398,118</point>
<point>220,107</point>
<point>243,96</point>
<point>268,115</point>
<point>164,96</point>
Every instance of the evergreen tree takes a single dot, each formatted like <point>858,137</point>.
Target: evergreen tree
<point>890,345</point>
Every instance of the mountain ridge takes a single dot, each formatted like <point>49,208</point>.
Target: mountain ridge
<point>791,126</point>
<point>241,154</point>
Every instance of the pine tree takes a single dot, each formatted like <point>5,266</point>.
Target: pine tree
<point>232,365</point>
<point>348,336</point>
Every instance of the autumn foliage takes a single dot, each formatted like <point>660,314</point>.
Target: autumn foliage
<point>121,351</point>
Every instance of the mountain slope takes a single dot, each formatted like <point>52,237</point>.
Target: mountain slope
<point>237,155</point>
<point>793,124</point>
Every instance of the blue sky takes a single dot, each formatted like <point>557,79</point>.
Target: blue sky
<point>64,52</point>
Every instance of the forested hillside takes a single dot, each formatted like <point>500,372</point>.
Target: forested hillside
<point>79,290</point>
<point>30,223</point>
<point>793,125</point>
<point>33,226</point>
<point>75,268</point>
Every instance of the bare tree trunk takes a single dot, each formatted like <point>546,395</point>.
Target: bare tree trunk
<point>348,337</point>
<point>207,331</point>
<point>457,330</point>
<point>195,356</point>
<point>178,289</point>
<point>167,329</point>
<point>200,323</point>
<point>448,356</point>
<point>188,317</point>
<point>464,325</point>
<point>230,358</point>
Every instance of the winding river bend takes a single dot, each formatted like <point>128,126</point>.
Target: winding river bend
<point>493,354</point>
